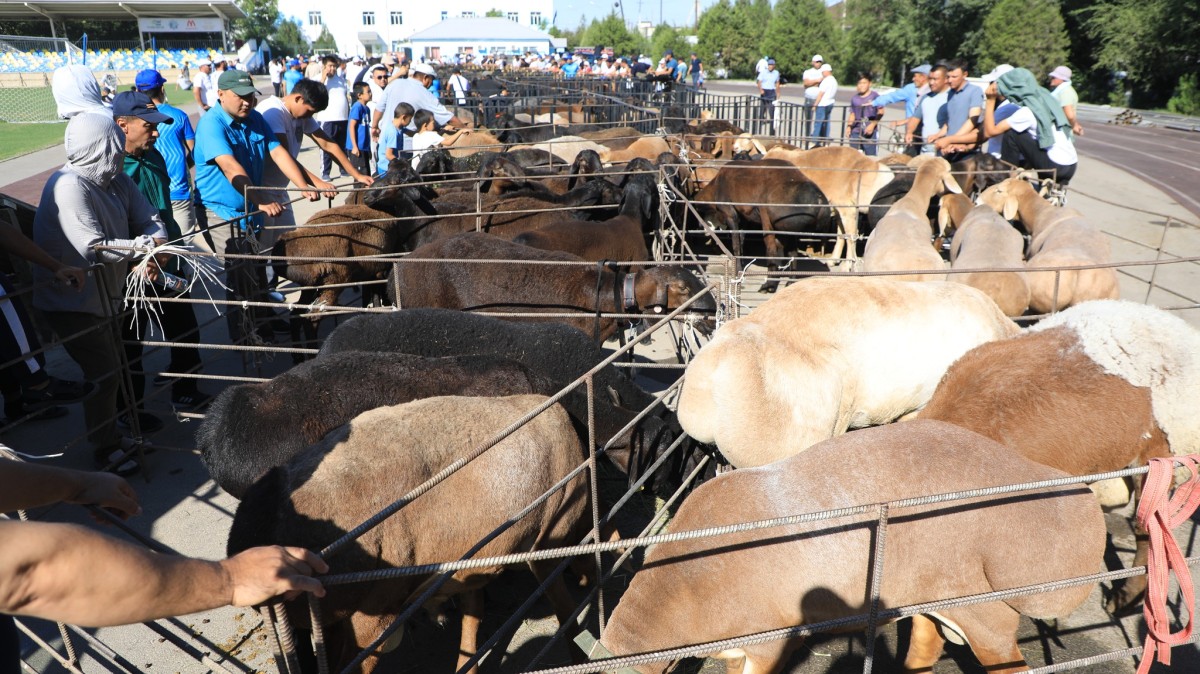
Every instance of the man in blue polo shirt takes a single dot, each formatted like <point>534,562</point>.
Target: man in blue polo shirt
<point>291,76</point>
<point>963,106</point>
<point>911,94</point>
<point>175,144</point>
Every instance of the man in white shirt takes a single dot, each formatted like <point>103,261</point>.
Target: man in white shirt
<point>353,68</point>
<point>291,118</point>
<point>826,93</point>
<point>334,118</point>
<point>413,90</point>
<point>811,80</point>
<point>205,86</point>
<point>761,65</point>
<point>458,85</point>
<point>931,109</point>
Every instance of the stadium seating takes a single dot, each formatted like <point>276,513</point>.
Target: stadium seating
<point>102,59</point>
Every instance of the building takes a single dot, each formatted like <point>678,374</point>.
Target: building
<point>478,37</point>
<point>371,27</point>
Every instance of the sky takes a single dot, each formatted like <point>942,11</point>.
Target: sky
<point>674,12</point>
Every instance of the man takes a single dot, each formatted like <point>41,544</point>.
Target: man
<point>1064,93</point>
<point>139,118</point>
<point>290,119</point>
<point>761,66</point>
<point>768,91</point>
<point>291,76</point>
<point>1035,133</point>
<point>335,117</point>
<point>811,78</point>
<point>353,68</point>
<point>964,103</point>
<point>1002,111</point>
<point>931,110</point>
<point>90,202</point>
<point>911,94</point>
<point>204,84</point>
<point>459,86</point>
<point>696,70</point>
<point>414,91</point>
<point>314,68</point>
<point>175,144</point>
<point>823,106</point>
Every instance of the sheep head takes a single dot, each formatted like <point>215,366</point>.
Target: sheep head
<point>660,289</point>
<point>401,183</point>
<point>1005,197</point>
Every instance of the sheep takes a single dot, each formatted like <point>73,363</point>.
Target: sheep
<point>776,196</point>
<point>622,238</point>
<point>902,239</point>
<point>552,351</point>
<point>1100,386</point>
<point>825,355</point>
<point>982,239</point>
<point>1061,237</point>
<point>514,286</point>
<point>361,467</point>
<point>565,147</point>
<point>848,178</point>
<point>646,147</point>
<point>707,589</point>
<point>979,171</point>
<point>378,228</point>
<point>477,140</point>
<point>250,428</point>
<point>438,161</point>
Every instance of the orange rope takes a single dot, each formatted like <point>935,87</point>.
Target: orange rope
<point>1159,513</point>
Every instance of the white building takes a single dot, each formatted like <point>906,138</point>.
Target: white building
<point>479,37</point>
<point>370,27</point>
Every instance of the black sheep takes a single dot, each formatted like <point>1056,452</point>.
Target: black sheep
<point>251,428</point>
<point>554,351</point>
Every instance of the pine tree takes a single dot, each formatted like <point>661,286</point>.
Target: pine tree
<point>1024,33</point>
<point>325,42</point>
<point>611,31</point>
<point>289,39</point>
<point>885,37</point>
<point>797,30</point>
<point>724,30</point>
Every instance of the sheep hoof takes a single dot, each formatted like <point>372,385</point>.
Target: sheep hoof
<point>769,287</point>
<point>1123,601</point>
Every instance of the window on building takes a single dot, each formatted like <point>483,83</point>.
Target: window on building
<point>468,15</point>
<point>368,18</point>
<point>512,16</point>
<point>535,18</point>
<point>397,18</point>
<point>445,15</point>
<point>314,18</point>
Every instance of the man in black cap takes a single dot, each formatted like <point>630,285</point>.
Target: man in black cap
<point>138,116</point>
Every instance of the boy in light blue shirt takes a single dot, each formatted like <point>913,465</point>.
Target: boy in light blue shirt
<point>392,140</point>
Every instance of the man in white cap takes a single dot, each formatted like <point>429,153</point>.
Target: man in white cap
<point>205,87</point>
<point>353,68</point>
<point>811,79</point>
<point>413,90</point>
<point>826,94</point>
<point>1064,93</point>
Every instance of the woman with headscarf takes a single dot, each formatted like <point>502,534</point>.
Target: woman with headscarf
<point>75,90</point>
<point>1035,134</point>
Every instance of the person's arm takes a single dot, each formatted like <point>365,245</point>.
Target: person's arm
<point>910,128</point>
<point>29,485</point>
<point>13,241</point>
<point>45,571</point>
<point>198,95</point>
<point>299,176</point>
<point>1069,111</point>
<point>352,130</point>
<point>820,95</point>
<point>236,175</point>
<point>451,138</point>
<point>991,128</point>
<point>849,120</point>
<point>327,144</point>
<point>758,82</point>
<point>83,229</point>
<point>376,115</point>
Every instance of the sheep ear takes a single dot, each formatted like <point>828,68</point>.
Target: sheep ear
<point>943,216</point>
<point>758,146</point>
<point>951,184</point>
<point>1010,208</point>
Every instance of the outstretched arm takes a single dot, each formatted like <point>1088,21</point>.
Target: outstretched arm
<point>45,572</point>
<point>29,485</point>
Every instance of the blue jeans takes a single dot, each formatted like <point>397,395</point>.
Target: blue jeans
<point>868,144</point>
<point>821,121</point>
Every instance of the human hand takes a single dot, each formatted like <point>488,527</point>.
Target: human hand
<point>1077,129</point>
<point>375,132</point>
<point>942,143</point>
<point>362,178</point>
<point>271,208</point>
<point>908,138</point>
<point>107,491</point>
<point>259,574</point>
<point>72,276</point>
<point>356,153</point>
<point>327,189</point>
<point>992,91</point>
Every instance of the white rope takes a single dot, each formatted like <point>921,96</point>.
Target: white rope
<point>141,293</point>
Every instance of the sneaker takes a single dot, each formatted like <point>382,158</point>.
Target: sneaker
<point>193,399</point>
<point>276,296</point>
<point>325,177</point>
<point>148,422</point>
<point>163,380</point>
<point>57,391</point>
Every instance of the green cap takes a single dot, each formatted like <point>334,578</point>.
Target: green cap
<point>237,81</point>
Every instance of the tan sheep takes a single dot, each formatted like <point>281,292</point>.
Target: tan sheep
<point>902,240</point>
<point>1061,237</point>
<point>565,148</point>
<point>982,239</point>
<point>646,147</point>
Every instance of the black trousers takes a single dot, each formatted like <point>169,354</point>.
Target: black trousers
<point>1022,149</point>
<point>336,131</point>
<point>178,325</point>
<point>10,646</point>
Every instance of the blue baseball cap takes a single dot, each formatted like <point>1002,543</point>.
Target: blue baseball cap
<point>149,79</point>
<point>293,63</point>
<point>138,104</point>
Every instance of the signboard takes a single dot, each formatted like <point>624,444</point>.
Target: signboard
<point>202,25</point>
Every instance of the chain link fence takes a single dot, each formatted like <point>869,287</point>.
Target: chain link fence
<point>26,64</point>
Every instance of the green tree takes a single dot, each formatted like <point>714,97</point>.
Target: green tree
<point>753,16</point>
<point>262,19</point>
<point>885,38</point>
<point>1025,33</point>
<point>723,30</point>
<point>1154,41</point>
<point>611,31</point>
<point>495,13</point>
<point>956,27</point>
<point>325,42</point>
<point>797,30</point>
<point>289,39</point>
<point>667,37</point>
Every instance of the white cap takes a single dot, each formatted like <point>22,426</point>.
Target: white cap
<point>826,68</point>
<point>203,62</point>
<point>997,72</point>
<point>424,69</point>
<point>818,57</point>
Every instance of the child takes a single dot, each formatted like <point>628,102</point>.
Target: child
<point>427,137</point>
<point>358,134</point>
<point>391,138</point>
<point>863,117</point>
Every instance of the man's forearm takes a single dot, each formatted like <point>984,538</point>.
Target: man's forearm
<point>26,485</point>
<point>12,240</point>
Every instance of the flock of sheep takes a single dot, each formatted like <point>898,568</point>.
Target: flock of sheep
<point>393,399</point>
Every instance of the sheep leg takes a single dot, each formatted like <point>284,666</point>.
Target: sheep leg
<point>560,599</point>
<point>774,249</point>
<point>924,646</point>
<point>1127,596</point>
<point>299,324</point>
<point>991,632</point>
<point>472,616</point>
<point>768,658</point>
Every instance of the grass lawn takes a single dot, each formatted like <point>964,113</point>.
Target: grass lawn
<point>17,139</point>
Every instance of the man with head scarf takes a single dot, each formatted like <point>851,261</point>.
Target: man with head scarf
<point>75,90</point>
<point>1034,134</point>
<point>90,202</point>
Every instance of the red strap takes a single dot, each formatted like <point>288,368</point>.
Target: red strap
<point>1159,514</point>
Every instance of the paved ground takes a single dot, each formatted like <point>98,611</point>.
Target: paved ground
<point>187,513</point>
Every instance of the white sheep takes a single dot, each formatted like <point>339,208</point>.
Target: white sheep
<point>826,355</point>
<point>982,239</point>
<point>902,241</point>
<point>1061,237</point>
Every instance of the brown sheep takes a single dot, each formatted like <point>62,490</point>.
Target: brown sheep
<point>707,589</point>
<point>515,286</point>
<point>983,239</point>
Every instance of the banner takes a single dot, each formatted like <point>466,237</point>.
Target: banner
<point>202,25</point>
